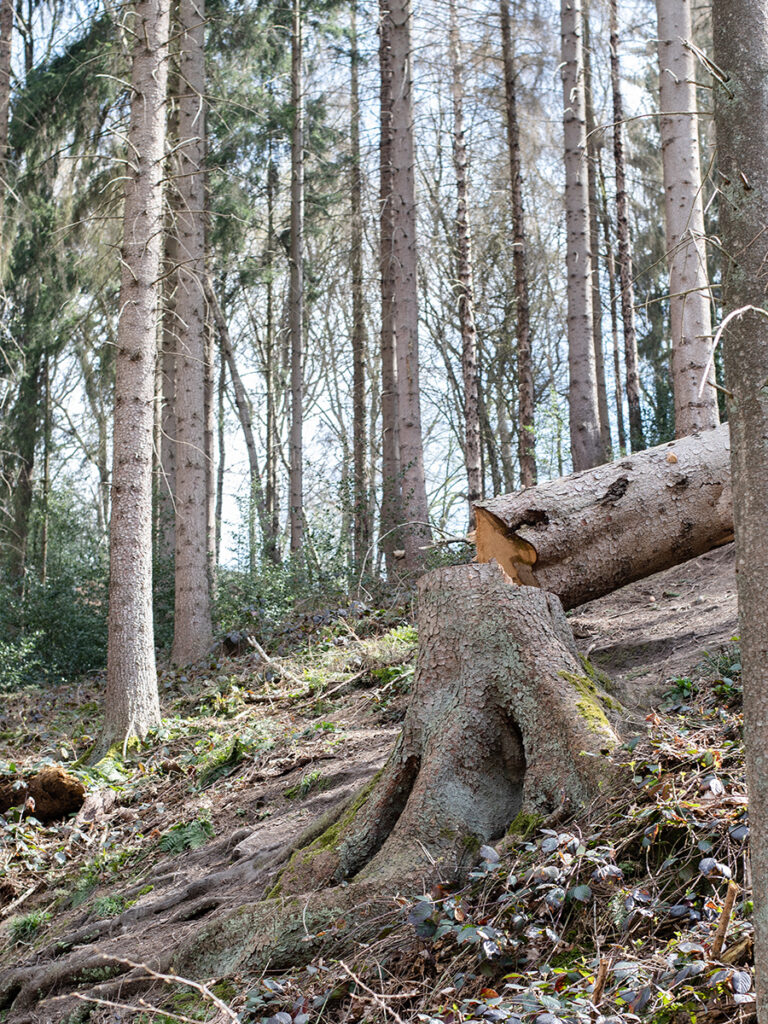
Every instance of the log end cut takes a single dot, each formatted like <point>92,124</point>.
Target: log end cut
<point>497,542</point>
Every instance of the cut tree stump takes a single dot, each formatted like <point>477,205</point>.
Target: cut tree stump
<point>501,717</point>
<point>586,535</point>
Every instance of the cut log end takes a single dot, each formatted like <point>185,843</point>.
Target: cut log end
<point>497,543</point>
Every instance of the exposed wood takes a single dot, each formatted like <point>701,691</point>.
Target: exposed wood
<point>587,534</point>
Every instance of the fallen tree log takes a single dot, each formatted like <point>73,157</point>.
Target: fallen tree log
<point>586,535</point>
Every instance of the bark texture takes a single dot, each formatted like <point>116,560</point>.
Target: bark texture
<point>626,273</point>
<point>586,443</point>
<point>465,285</point>
<point>363,525</point>
<point>588,534</point>
<point>415,510</point>
<point>500,714</point>
<point>131,702</point>
<point>6,41</point>
<point>593,145</point>
<point>526,400</point>
<point>296,299</point>
<point>391,513</point>
<point>741,110</point>
<point>193,632</point>
<point>684,208</point>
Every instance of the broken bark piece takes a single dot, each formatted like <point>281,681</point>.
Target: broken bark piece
<point>55,793</point>
<point>586,535</point>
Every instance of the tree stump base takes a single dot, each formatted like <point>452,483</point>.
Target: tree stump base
<point>504,718</point>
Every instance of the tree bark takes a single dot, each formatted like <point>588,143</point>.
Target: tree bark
<point>415,509</point>
<point>193,632</point>
<point>500,716</point>
<point>391,509</point>
<point>594,244</point>
<point>6,46</point>
<point>626,273</point>
<point>740,30</point>
<point>362,523</point>
<point>466,277</point>
<point>526,397</point>
<point>610,260</point>
<point>586,444</point>
<point>131,703</point>
<point>272,538</point>
<point>243,406</point>
<point>588,534</point>
<point>297,283</point>
<point>689,306</point>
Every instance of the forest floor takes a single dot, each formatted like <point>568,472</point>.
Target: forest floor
<point>626,896</point>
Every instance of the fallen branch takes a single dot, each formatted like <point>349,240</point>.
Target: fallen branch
<point>281,669</point>
<point>725,920</point>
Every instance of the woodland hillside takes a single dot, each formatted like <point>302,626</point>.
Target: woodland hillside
<point>383,511</point>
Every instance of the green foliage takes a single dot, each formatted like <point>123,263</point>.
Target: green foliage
<point>20,662</point>
<point>305,785</point>
<point>108,906</point>
<point>187,836</point>
<point>25,928</point>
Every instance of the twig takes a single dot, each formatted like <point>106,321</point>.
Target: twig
<point>725,919</point>
<point>600,980</point>
<point>175,979</point>
<point>283,671</point>
<point>142,1004</point>
<point>374,995</point>
<point>19,900</point>
<point>733,315</point>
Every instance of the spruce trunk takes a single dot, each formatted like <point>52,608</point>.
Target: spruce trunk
<point>740,29</point>
<point>415,509</point>
<point>131,703</point>
<point>526,397</point>
<point>193,632</point>
<point>466,278</point>
<point>586,443</point>
<point>690,311</point>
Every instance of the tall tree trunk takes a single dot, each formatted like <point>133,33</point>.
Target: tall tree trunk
<point>740,30</point>
<point>131,701</point>
<point>526,400</point>
<point>297,283</point>
<point>244,412</point>
<point>272,537</point>
<point>45,511</point>
<point>166,492</point>
<point>626,273</point>
<point>362,522</point>
<point>6,46</point>
<point>193,632</point>
<point>466,277</point>
<point>594,244</point>
<point>210,457</point>
<point>26,424</point>
<point>416,530</point>
<point>586,444</point>
<point>689,306</point>
<point>221,443</point>
<point>391,509</point>
<point>610,262</point>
